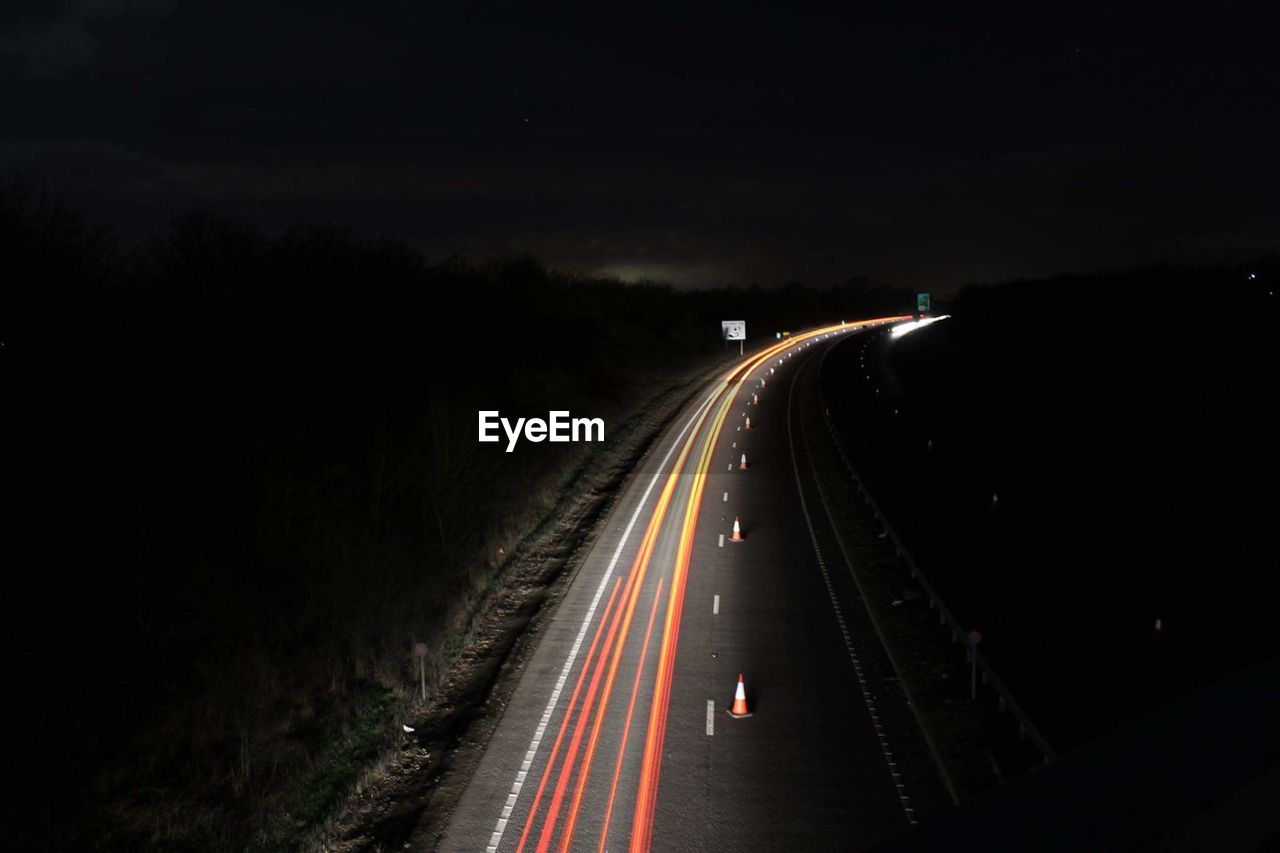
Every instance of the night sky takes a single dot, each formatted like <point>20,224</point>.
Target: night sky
<point>925,144</point>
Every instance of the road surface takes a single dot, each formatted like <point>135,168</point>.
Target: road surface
<point>618,734</point>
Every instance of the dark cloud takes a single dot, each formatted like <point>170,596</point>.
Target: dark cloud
<point>711,145</point>
<point>52,39</point>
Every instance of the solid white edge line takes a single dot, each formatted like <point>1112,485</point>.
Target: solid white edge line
<point>500,827</point>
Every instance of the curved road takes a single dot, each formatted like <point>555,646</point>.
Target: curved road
<point>617,735</point>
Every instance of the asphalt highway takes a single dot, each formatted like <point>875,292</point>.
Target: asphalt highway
<point>618,734</point>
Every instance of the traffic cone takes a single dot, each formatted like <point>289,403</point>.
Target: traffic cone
<point>763,382</point>
<point>995,501</point>
<point>748,426</point>
<point>755,399</point>
<point>739,708</point>
<point>743,465</point>
<point>737,531</point>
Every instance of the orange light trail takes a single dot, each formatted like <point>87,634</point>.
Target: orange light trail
<point>626,729</point>
<point>646,795</point>
<point>572,816</point>
<point>555,750</point>
<point>618,620</point>
<point>638,568</point>
<point>647,792</point>
<point>567,767</point>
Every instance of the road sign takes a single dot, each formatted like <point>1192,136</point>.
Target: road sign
<point>922,303</point>
<point>734,330</point>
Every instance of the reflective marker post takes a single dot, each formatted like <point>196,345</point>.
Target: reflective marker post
<point>975,637</point>
<point>420,651</point>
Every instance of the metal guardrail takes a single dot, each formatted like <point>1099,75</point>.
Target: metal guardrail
<point>945,616</point>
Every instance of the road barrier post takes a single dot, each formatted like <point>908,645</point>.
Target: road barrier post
<point>975,637</point>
